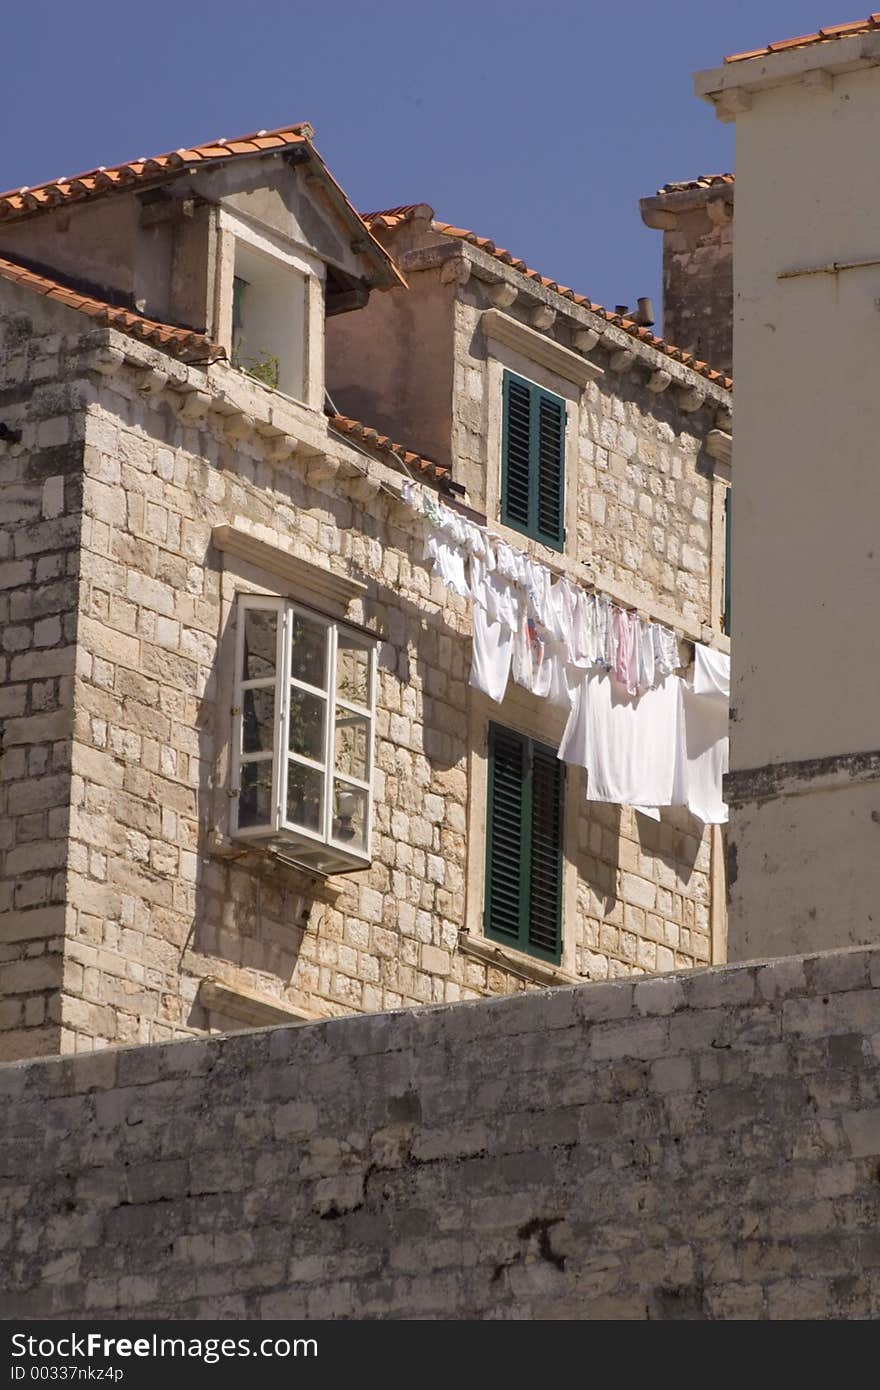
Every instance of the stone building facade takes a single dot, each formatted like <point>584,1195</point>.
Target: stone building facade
<point>166,459</point>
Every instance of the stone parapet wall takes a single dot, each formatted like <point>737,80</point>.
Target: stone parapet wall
<point>696,1146</point>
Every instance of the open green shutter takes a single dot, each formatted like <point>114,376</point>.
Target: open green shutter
<point>550,470</point>
<point>507,772</point>
<point>524,844</point>
<point>545,895</point>
<point>516,450</point>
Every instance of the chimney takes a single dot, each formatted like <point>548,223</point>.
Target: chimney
<point>696,219</point>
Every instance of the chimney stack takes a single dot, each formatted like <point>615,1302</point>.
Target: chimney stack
<point>696,219</point>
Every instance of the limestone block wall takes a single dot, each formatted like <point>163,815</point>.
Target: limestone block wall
<point>126,844</point>
<point>155,911</point>
<point>699,1147</point>
<point>40,519</point>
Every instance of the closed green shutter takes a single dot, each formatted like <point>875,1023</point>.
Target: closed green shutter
<point>533,462</point>
<point>545,898</point>
<point>517,452</point>
<point>524,845</point>
<point>550,471</point>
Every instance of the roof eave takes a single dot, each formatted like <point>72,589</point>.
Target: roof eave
<point>729,87</point>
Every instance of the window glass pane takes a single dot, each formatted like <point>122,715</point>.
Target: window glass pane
<point>257,720</point>
<point>305,795</point>
<point>308,657</point>
<point>306,734</point>
<point>352,671</point>
<point>259,643</point>
<point>255,797</point>
<point>352,743</point>
<point>350,815</point>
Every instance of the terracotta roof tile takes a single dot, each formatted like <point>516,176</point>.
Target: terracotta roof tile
<point>374,440</point>
<point>826,35</point>
<point>701,181</point>
<point>21,202</point>
<point>180,342</point>
<point>395,216</point>
<point>18,201</point>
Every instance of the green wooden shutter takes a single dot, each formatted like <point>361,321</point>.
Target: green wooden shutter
<point>507,777</point>
<point>533,461</point>
<point>545,896</point>
<point>726,617</point>
<point>516,470</point>
<point>550,471</point>
<point>524,844</point>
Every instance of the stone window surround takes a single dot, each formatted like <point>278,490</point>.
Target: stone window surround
<point>236,227</point>
<point>254,563</point>
<point>526,715</point>
<point>501,356</point>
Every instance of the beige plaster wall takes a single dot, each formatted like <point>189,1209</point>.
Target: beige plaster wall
<point>807,498</point>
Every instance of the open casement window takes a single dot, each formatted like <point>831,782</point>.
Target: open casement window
<point>524,845</point>
<point>533,461</point>
<point>269,321</point>
<point>303,735</point>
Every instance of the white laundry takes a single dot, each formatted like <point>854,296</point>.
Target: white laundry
<point>647,665</point>
<point>491,655</point>
<point>448,561</point>
<point>584,653</point>
<point>533,667</point>
<point>711,672</point>
<point>628,745</point>
<point>703,752</point>
<point>501,599</point>
<point>665,650</point>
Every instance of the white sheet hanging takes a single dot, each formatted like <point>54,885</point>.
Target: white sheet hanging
<point>491,654</point>
<point>627,744</point>
<point>703,754</point>
<point>711,672</point>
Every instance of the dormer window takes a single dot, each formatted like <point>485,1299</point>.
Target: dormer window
<point>269,320</point>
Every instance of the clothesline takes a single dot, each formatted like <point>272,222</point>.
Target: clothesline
<point>647,737</point>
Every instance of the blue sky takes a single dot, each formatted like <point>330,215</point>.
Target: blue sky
<point>538,124</point>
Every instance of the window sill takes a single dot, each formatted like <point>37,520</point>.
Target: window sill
<point>515,962</point>
<point>249,1007</point>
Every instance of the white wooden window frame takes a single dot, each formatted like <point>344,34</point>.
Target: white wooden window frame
<point>299,842</point>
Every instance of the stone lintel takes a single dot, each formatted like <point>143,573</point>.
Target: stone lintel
<point>311,579</point>
<point>502,328</point>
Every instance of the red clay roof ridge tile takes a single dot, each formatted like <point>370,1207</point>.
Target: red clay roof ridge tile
<point>32,198</point>
<point>829,34</point>
<point>343,424</point>
<point>185,343</point>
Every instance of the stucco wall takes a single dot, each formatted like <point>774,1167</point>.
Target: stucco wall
<point>687,1147</point>
<point>805,507</point>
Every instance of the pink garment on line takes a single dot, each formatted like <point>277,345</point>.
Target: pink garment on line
<point>626,665</point>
